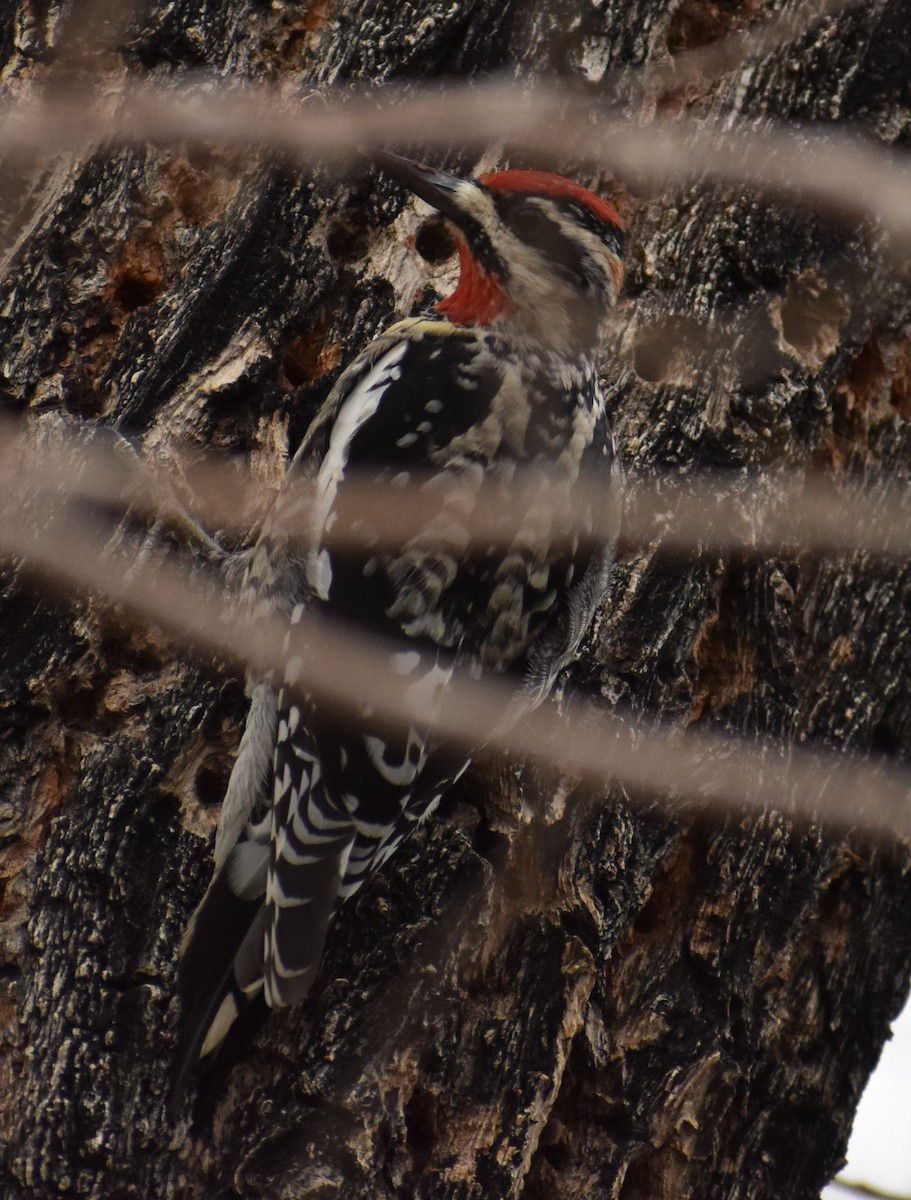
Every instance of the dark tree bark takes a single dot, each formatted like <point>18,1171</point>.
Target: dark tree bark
<point>548,992</point>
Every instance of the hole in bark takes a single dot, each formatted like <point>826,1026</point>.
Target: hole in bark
<point>700,22</point>
<point>79,707</point>
<point>135,650</point>
<point>492,846</point>
<point>138,274</point>
<point>232,697</point>
<point>132,292</point>
<point>666,350</point>
<point>887,738</point>
<point>640,1182</point>
<point>308,357</point>
<point>558,1155</point>
<point>346,241</point>
<point>434,241</point>
<point>210,784</point>
<point>809,318</point>
<point>422,1124</point>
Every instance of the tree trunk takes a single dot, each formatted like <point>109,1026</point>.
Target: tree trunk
<point>547,992</point>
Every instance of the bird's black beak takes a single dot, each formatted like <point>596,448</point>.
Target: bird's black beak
<point>438,188</point>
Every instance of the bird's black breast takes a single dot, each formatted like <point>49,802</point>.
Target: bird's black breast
<point>446,414</point>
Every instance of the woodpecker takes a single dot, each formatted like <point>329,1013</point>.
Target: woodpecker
<point>501,377</point>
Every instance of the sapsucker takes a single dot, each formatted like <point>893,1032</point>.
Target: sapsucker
<point>500,379</point>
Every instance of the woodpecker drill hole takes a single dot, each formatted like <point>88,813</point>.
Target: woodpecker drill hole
<point>434,241</point>
<point>810,317</point>
<point>309,357</point>
<point>346,242</point>
<point>134,291</point>
<point>137,276</point>
<point>666,351</point>
<point>210,784</point>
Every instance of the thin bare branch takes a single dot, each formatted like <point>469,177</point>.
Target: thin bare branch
<point>349,671</point>
<point>694,69</point>
<point>829,170</point>
<point>866,1189</point>
<point>777,511</point>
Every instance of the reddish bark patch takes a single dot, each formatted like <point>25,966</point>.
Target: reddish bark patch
<point>726,664</point>
<point>137,275</point>
<point>699,22</point>
<point>308,358</point>
<point>297,33</point>
<point>190,193</point>
<point>315,15</point>
<point>879,379</point>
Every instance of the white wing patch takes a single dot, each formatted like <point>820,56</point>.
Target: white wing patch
<point>358,408</point>
<point>248,781</point>
<point>248,868</point>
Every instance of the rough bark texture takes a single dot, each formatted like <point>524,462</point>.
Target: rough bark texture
<point>547,993</point>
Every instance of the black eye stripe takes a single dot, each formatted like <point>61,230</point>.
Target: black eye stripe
<point>614,239</point>
<point>532,223</point>
<point>482,248</point>
<point>545,235</point>
<point>612,236</point>
<point>538,225</point>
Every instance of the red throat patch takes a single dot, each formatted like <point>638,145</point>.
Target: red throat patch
<point>478,298</point>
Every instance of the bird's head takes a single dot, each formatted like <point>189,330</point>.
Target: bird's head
<point>541,256</point>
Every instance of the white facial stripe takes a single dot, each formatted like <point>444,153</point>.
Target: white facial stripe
<point>477,203</point>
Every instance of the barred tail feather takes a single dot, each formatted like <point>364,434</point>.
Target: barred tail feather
<point>205,975</point>
<point>246,951</point>
<point>301,899</point>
